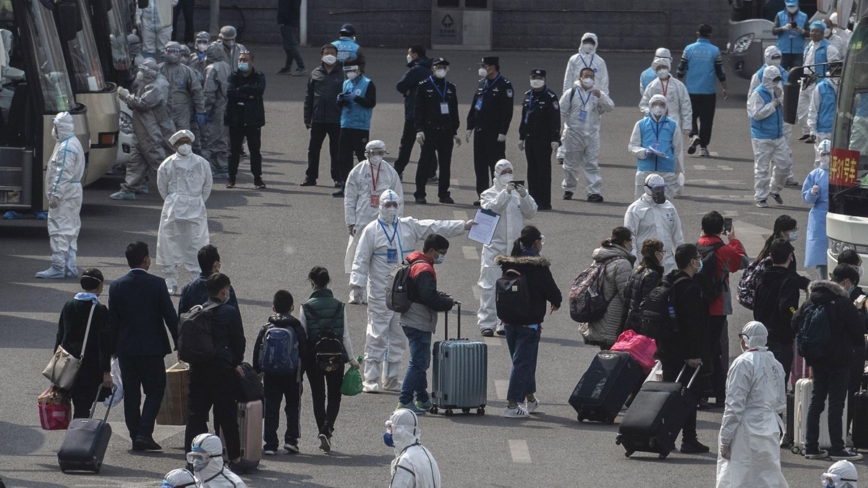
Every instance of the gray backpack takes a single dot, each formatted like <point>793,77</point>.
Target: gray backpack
<point>398,287</point>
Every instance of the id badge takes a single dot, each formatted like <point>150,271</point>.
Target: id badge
<point>391,256</point>
<point>583,115</point>
<point>375,201</point>
<point>478,105</point>
<point>444,108</point>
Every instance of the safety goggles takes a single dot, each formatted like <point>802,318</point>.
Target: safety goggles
<point>198,454</point>
<point>350,68</point>
<point>830,479</point>
<point>173,51</point>
<point>390,205</point>
<point>377,152</point>
<point>657,188</point>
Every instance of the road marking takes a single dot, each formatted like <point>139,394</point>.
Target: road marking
<point>470,252</point>
<point>700,167</point>
<point>477,291</point>
<point>489,341</point>
<point>724,168</point>
<point>520,452</point>
<point>713,154</point>
<point>460,215</point>
<point>500,386</point>
<point>714,182</point>
<point>730,213</point>
<point>452,181</point>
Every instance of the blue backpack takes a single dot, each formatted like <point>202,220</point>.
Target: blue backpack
<point>279,351</point>
<point>814,338</point>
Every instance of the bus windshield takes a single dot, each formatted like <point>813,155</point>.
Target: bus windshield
<point>118,35</point>
<point>45,46</point>
<point>88,75</point>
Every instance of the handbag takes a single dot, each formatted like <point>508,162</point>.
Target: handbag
<point>55,411</point>
<point>640,347</point>
<point>63,367</point>
<point>249,385</point>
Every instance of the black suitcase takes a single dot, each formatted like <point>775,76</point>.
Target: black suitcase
<point>791,420</point>
<point>605,386</point>
<point>85,442</point>
<point>656,416</point>
<point>859,430</point>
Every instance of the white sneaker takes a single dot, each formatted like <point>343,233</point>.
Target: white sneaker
<point>500,330</point>
<point>532,406</point>
<point>370,388</point>
<point>515,413</point>
<point>269,452</point>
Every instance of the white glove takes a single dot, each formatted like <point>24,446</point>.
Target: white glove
<point>555,145</point>
<point>501,138</point>
<point>522,191</point>
<point>521,145</point>
<point>352,230</point>
<point>457,140</point>
<point>54,201</point>
<point>357,293</point>
<point>469,224</point>
<point>420,137</point>
<point>779,92</point>
<point>123,92</point>
<point>510,187</point>
<point>467,135</point>
<point>354,364</point>
<point>815,189</point>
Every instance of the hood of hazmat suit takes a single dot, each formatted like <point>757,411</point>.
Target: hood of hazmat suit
<point>206,456</point>
<point>649,220</point>
<point>179,478</point>
<point>414,465</point>
<point>841,475</point>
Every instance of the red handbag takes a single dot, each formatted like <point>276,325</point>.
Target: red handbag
<point>55,411</point>
<point>640,348</point>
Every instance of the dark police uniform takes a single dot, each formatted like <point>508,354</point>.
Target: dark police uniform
<point>490,115</point>
<point>436,113</point>
<point>540,126</point>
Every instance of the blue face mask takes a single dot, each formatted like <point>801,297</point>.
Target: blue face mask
<point>794,236</point>
<point>700,267</point>
<point>387,440</point>
<point>243,67</point>
<point>440,259</point>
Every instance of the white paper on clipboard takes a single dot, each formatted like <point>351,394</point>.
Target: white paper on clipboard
<point>486,223</point>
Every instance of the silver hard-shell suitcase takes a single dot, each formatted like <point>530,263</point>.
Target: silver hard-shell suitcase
<point>460,373</point>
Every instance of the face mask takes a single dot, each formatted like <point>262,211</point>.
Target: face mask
<point>185,149</point>
<point>201,46</point>
<point>794,236</point>
<point>700,266</point>
<point>827,33</point>
<point>440,73</point>
<point>140,76</point>
<point>329,59</point>
<point>824,162</point>
<point>587,48</point>
<point>658,195</point>
<point>173,57</point>
<point>230,43</point>
<point>505,178</point>
<point>387,440</point>
<point>775,62</point>
<point>658,111</point>
<point>537,83</point>
<point>375,160</point>
<point>390,215</point>
<point>351,75</point>
<point>663,73</point>
<point>587,83</point>
<point>483,72</point>
<point>409,59</point>
<point>199,460</point>
<point>440,259</point>
<point>793,9</point>
<point>861,269</point>
<point>243,67</point>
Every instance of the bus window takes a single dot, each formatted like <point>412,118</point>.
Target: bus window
<point>45,46</point>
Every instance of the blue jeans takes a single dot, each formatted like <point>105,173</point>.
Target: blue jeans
<point>523,345</point>
<point>416,378</point>
<point>831,382</point>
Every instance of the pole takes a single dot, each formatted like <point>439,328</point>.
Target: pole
<point>214,25</point>
<point>302,31</point>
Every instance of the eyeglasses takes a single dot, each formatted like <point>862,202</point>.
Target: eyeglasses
<point>390,205</point>
<point>744,336</point>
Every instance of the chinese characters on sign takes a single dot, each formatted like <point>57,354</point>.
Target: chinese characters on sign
<point>844,167</point>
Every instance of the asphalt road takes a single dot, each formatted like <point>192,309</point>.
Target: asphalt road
<point>270,239</point>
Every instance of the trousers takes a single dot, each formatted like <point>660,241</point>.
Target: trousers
<point>318,133</point>
<point>582,152</point>
<point>670,374</point>
<point>352,141</point>
<point>523,343</point>
<point>288,34</point>
<point>324,386</point>
<point>486,153</point>
<point>138,374</point>
<point>416,378</point>
<point>437,148</point>
<point>834,384</point>
<point>188,7</point>
<point>538,151</point>
<point>277,388</point>
<point>703,114</point>
<point>212,385</point>
<point>768,152</point>
<point>408,138</point>
<point>254,143</point>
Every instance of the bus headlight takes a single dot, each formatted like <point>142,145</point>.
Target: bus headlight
<point>742,43</point>
<point>126,123</point>
<point>837,247</point>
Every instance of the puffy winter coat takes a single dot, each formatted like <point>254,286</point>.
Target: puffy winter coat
<point>604,332</point>
<point>640,284</point>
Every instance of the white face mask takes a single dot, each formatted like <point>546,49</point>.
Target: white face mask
<point>537,83</point>
<point>140,76</point>
<point>793,9</point>
<point>201,46</point>
<point>505,178</point>
<point>409,59</point>
<point>329,59</point>
<point>483,72</point>
<point>587,83</point>
<point>440,73</point>
<point>351,75</point>
<point>824,161</point>
<point>663,73</point>
<point>185,149</point>
<point>827,33</point>
<point>376,159</point>
<point>389,215</point>
<point>657,111</point>
<point>587,48</point>
<point>775,62</point>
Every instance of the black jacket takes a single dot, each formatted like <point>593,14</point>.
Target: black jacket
<point>541,283</point>
<point>140,311</point>
<point>245,107</point>
<point>691,311</point>
<point>847,325</point>
<point>196,293</point>
<point>859,350</point>
<point>321,99</point>
<point>776,299</point>
<point>496,112</point>
<point>283,322</point>
<point>429,117</point>
<point>288,12</point>
<point>70,334</point>
<point>420,69</point>
<point>228,332</point>
<point>642,281</point>
<point>543,119</point>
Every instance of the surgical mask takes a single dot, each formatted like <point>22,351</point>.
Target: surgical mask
<point>794,236</point>
<point>775,62</point>
<point>243,67</point>
<point>230,43</point>
<point>185,149</point>
<point>409,59</point>
<point>824,161</point>
<point>587,83</point>
<point>140,76</point>
<point>700,266</point>
<point>587,48</point>
<point>440,73</point>
<point>505,178</point>
<point>440,259</point>
<point>201,46</point>
<point>376,160</point>
<point>657,111</point>
<point>173,58</point>
<point>387,440</point>
<point>329,59</point>
<point>351,75</point>
<point>483,72</point>
<point>390,215</point>
<point>663,73</point>
<point>792,9</point>
<point>827,33</point>
<point>537,83</point>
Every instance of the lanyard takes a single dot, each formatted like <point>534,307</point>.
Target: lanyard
<point>394,226</point>
<point>486,86</point>
<point>445,88</point>
<point>657,126</point>
<point>586,64</point>
<point>374,180</point>
<point>665,86</point>
<point>584,101</point>
<point>529,106</point>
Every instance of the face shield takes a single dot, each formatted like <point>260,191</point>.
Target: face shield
<point>199,458</point>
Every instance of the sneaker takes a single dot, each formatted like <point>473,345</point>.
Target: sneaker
<point>433,179</point>
<point>339,193</point>
<point>412,407</point>
<point>778,199</point>
<point>299,72</point>
<point>285,70</point>
<point>308,182</point>
<point>421,201</point>
<point>338,184</point>
<point>243,466</point>
<point>500,330</point>
<point>693,447</point>
<point>291,448</point>
<point>786,442</point>
<point>258,183</point>
<point>811,140</point>
<point>230,183</point>
<point>568,195</point>
<point>123,195</point>
<point>703,152</point>
<point>694,143</point>
<point>844,455</point>
<point>762,204</point>
<point>447,200</point>
<point>487,333</point>
<point>816,454</point>
<point>805,137</point>
<point>515,413</point>
<point>532,406</point>
<point>325,444</point>
<point>595,198</point>
<point>425,405</point>
<point>792,182</point>
<point>269,452</point>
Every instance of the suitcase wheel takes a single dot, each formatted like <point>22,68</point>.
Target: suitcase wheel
<point>480,411</point>
<point>448,412</point>
<point>433,410</point>
<point>465,410</point>
<point>796,450</point>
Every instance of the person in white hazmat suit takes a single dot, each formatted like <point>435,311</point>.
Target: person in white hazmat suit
<point>414,466</point>
<point>514,205</point>
<point>179,478</point>
<point>155,26</point>
<point>658,146</point>
<point>206,456</point>
<point>581,109</point>
<point>650,74</point>
<point>184,181</point>
<point>63,175</point>
<point>652,216</point>
<point>185,89</point>
<point>586,58</point>
<point>767,137</point>
<point>215,135</point>
<point>383,245</point>
<point>750,432</point>
<point>842,474</point>
<point>844,33</point>
<point>678,108</point>
<point>362,197</point>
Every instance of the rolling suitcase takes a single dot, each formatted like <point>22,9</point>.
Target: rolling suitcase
<point>459,378</point>
<point>250,430</point>
<point>859,432</point>
<point>804,388</point>
<point>655,418</point>
<point>605,386</point>
<point>85,442</point>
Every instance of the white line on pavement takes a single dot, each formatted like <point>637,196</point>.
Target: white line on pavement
<point>713,154</point>
<point>500,386</point>
<point>700,167</point>
<point>452,181</point>
<point>520,452</point>
<point>470,253</point>
<point>724,168</point>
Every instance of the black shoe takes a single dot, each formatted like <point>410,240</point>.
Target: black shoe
<point>816,454</point>
<point>243,466</point>
<point>476,203</point>
<point>308,182</point>
<point>286,70</point>
<point>433,179</point>
<point>339,193</point>
<point>258,183</point>
<point>811,140</point>
<point>777,197</point>
<point>230,183</point>
<point>421,201</point>
<point>844,455</point>
<point>146,443</point>
<point>487,333</point>
<point>338,184</point>
<point>325,444</point>
<point>693,447</point>
<point>595,198</point>
<point>447,199</point>
<point>568,195</point>
<point>544,207</point>
<point>805,137</point>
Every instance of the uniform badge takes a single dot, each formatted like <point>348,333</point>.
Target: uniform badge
<point>555,105</point>
<point>509,92</point>
<point>358,92</point>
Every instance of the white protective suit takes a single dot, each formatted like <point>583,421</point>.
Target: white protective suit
<point>513,210</point>
<point>673,185</point>
<point>842,474</point>
<point>185,184</point>
<point>215,135</point>
<point>365,183</point>
<point>581,112</point>
<point>755,81</point>
<point>232,50</point>
<point>206,456</point>
<point>155,25</point>
<point>179,478</point>
<point>844,33</point>
<point>185,89</point>
<point>769,151</point>
<point>577,63</point>
<point>751,424</point>
<point>813,111</point>
<point>649,220</point>
<point>414,466</point>
<point>661,52</point>
<point>397,236</point>
<point>63,190</point>
<point>806,92</point>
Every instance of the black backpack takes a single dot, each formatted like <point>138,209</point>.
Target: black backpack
<point>328,349</point>
<point>658,310</point>
<point>512,298</point>
<point>195,339</point>
<point>709,279</point>
<point>398,287</point>
<point>814,337</point>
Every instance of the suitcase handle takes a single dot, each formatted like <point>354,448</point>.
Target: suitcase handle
<point>695,372</point>
<point>96,401</point>
<point>446,322</point>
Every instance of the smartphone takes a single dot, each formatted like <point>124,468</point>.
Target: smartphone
<point>518,182</point>
<point>860,302</point>
<point>727,224</point>
<point>794,25</point>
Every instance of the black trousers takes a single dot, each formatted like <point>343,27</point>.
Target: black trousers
<point>539,169</point>
<point>186,6</point>
<point>789,61</point>
<point>437,147</point>
<point>138,374</point>
<point>212,385</point>
<point>855,383</point>
<point>408,138</point>
<point>254,142</point>
<point>719,355</point>
<point>486,153</point>
<point>278,388</point>
<point>324,386</point>
<point>703,112</point>
<point>87,383</point>
<point>351,141</point>
<point>670,373</point>
<point>318,133</point>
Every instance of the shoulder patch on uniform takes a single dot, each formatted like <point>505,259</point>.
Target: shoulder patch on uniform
<point>509,92</point>
<point>556,105</point>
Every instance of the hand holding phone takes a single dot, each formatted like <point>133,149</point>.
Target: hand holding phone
<point>727,224</point>
<point>518,182</point>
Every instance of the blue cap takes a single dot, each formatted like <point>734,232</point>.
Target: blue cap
<point>818,24</point>
<point>348,29</point>
<point>792,3</point>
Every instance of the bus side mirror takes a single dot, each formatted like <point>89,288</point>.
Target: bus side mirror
<point>791,95</point>
<point>69,22</point>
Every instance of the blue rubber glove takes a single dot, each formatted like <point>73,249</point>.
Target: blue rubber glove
<point>341,98</point>
<point>201,119</point>
<point>349,97</point>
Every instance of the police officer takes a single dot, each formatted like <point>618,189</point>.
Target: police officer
<point>539,134</point>
<point>437,122</point>
<point>489,118</point>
